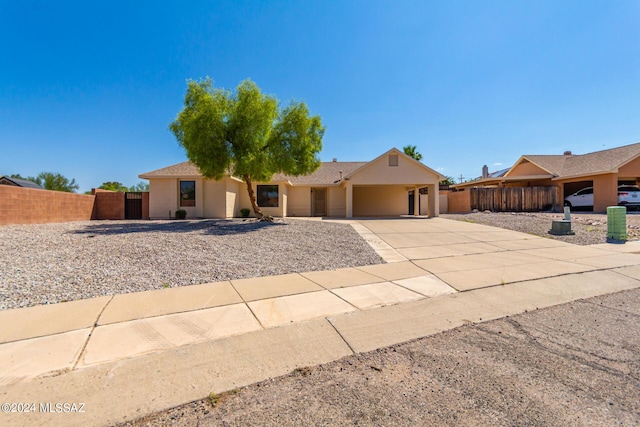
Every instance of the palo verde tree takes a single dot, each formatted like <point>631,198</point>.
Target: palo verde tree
<point>246,134</point>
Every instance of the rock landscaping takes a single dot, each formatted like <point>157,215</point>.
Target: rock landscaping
<point>51,263</point>
<point>589,228</point>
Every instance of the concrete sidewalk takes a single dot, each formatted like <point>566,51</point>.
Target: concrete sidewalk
<point>128,355</point>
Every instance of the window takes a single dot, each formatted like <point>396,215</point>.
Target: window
<point>187,193</point>
<point>268,196</point>
<point>393,160</point>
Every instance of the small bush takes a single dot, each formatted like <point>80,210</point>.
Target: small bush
<point>181,214</point>
<point>244,212</point>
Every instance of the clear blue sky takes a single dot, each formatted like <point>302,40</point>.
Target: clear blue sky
<point>88,88</point>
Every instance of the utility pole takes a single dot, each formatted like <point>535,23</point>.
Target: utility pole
<point>461,178</point>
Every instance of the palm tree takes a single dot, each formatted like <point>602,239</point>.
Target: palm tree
<point>412,151</point>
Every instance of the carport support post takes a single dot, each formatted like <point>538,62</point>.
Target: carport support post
<point>349,201</point>
<point>433,197</point>
<point>416,201</point>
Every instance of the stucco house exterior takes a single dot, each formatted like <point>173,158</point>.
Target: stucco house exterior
<point>603,170</point>
<point>379,187</point>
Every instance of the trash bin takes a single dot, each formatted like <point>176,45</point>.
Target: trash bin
<point>617,223</point>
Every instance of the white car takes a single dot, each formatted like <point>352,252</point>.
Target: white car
<point>628,195</point>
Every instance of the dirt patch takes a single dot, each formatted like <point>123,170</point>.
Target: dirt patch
<point>569,365</point>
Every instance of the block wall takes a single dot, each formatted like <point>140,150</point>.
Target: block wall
<point>459,201</point>
<point>109,205</point>
<point>31,206</point>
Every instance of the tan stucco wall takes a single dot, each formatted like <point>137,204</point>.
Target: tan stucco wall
<point>527,168</point>
<point>605,192</point>
<point>280,211</point>
<point>444,202</point>
<point>163,197</point>
<point>382,200</point>
<point>214,196</point>
<point>299,201</point>
<point>233,189</point>
<point>196,211</point>
<point>630,171</point>
<point>337,202</point>
<point>380,173</point>
<point>284,196</point>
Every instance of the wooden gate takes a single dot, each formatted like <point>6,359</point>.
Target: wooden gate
<point>132,205</point>
<point>514,199</point>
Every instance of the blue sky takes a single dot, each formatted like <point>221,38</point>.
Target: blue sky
<point>88,88</point>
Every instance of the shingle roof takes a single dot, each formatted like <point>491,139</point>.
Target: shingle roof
<point>586,164</point>
<point>184,169</point>
<point>328,173</point>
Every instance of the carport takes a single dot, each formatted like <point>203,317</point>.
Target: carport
<point>381,187</point>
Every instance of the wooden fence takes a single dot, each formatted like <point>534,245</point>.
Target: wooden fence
<point>515,199</point>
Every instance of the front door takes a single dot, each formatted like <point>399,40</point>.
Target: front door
<point>319,199</point>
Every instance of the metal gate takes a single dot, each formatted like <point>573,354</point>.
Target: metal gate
<point>132,205</point>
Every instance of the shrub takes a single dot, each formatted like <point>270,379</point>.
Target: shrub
<point>181,214</point>
<point>244,212</point>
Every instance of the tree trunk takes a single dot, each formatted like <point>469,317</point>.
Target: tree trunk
<point>252,198</point>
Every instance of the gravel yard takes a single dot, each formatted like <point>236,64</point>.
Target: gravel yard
<point>51,263</point>
<point>590,229</point>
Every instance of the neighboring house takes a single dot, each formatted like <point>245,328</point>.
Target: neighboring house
<point>16,182</point>
<point>337,189</point>
<point>603,170</point>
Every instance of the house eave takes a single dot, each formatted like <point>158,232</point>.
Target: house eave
<point>587,175</point>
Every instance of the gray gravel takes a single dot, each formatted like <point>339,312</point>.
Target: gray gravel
<point>589,228</point>
<point>51,263</point>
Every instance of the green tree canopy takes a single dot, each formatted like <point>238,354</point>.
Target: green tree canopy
<point>412,151</point>
<point>120,187</point>
<point>113,186</point>
<point>246,134</point>
<point>55,182</point>
<point>449,180</point>
<point>141,186</point>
